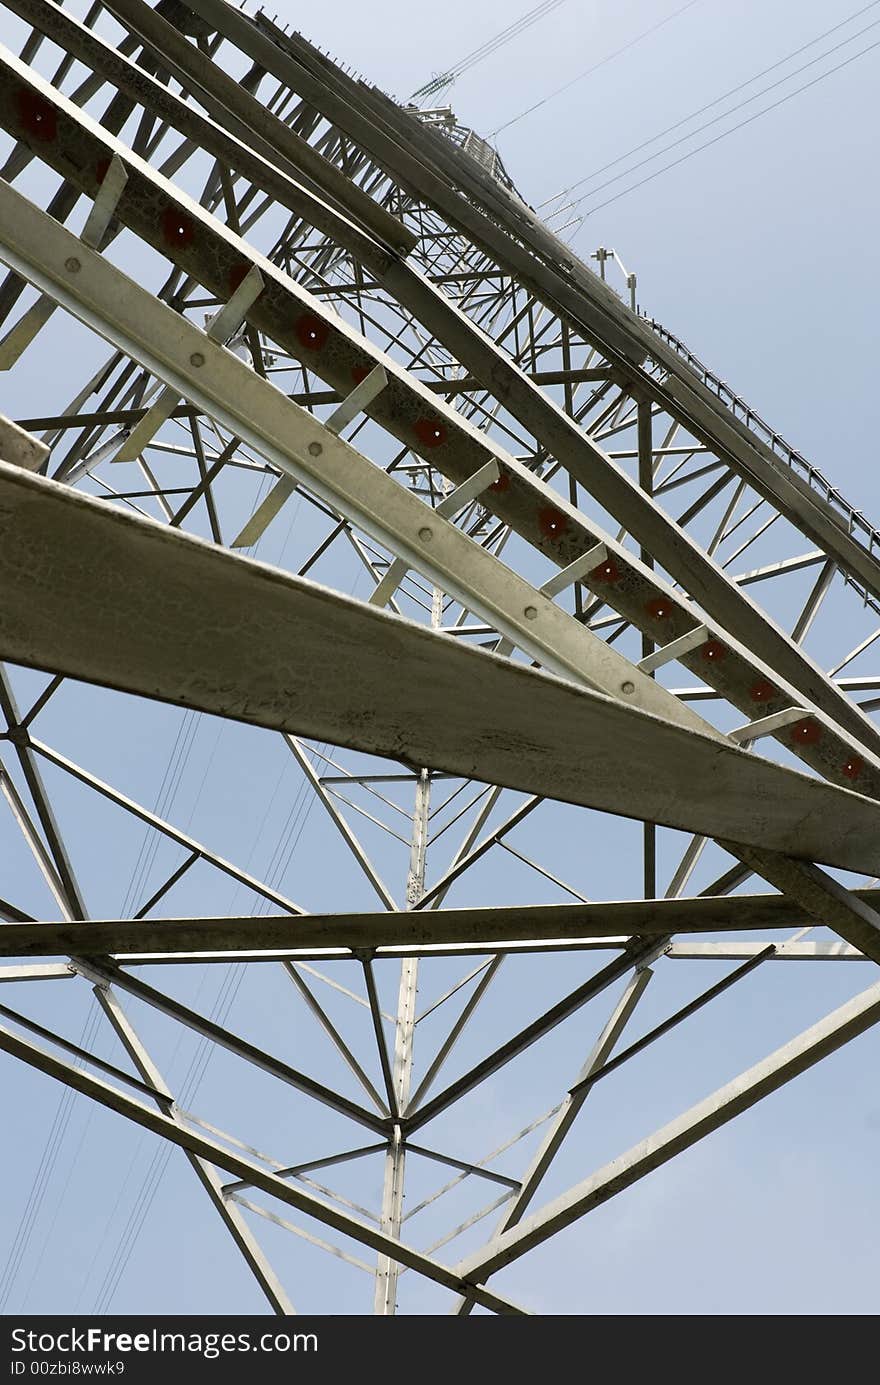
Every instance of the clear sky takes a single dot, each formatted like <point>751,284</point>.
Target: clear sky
<point>761,254</point>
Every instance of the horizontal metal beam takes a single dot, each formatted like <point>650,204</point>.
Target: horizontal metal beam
<point>785,952</point>
<point>170,616</point>
<point>416,930</point>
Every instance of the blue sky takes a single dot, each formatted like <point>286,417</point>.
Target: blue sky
<point>760,254</point>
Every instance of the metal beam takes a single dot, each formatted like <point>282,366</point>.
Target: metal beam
<point>257,645</point>
<point>244,1169</point>
<point>422,162</point>
<point>414,930</point>
<point>187,360</point>
<point>793,1058</point>
<point>528,499</point>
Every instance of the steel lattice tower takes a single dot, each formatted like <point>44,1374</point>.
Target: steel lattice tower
<point>532,606</point>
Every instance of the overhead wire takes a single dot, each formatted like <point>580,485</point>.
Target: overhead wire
<point>486,49</point>
<point>646,33</point>
<point>43,1174</point>
<point>732,91</point>
<point>724,133</point>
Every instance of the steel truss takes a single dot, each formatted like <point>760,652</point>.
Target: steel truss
<point>560,515</point>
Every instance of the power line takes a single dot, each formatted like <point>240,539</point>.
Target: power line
<point>595,67</point>
<point>724,133</point>
<point>723,97</point>
<point>486,49</point>
<point>724,115</point>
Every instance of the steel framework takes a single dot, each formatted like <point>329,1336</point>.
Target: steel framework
<point>590,580</point>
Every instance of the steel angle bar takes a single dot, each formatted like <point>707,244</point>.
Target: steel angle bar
<point>216,1154</point>
<point>367,117</point>
<point>30,746</point>
<point>53,972</point>
<point>320,203</point>
<point>300,1231</point>
<point>349,837</point>
<point>571,1106</point>
<point>38,849</point>
<point>565,1117</point>
<point>223,326</point>
<point>785,952</point>
<point>289,437</point>
<point>430,155</point>
<point>231,1217</point>
<point>537,512</point>
<point>19,447</point>
<point>107,973</point>
<point>55,859</point>
<point>382,931</point>
<point>821,895</point>
<point>793,1058</point>
<point>481,713</point>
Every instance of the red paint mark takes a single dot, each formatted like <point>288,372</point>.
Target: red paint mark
<point>713,651</point>
<point>312,332</point>
<point>430,432</point>
<point>606,572</point>
<point>762,691</point>
<point>659,608</point>
<point>807,732</point>
<point>177,227</point>
<point>102,168</point>
<point>503,482</point>
<point>359,373</point>
<point>552,522</point>
<point>853,767</point>
<point>36,115</point>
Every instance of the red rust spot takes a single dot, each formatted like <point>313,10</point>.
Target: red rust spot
<point>430,432</point>
<point>36,115</point>
<point>806,732</point>
<point>762,691</point>
<point>606,572</point>
<point>552,522</point>
<point>177,227</point>
<point>713,651</point>
<point>853,767</point>
<point>359,373</point>
<point>312,332</point>
<point>659,608</point>
<point>503,482</point>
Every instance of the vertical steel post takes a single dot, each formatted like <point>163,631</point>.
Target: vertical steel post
<point>387,1270</point>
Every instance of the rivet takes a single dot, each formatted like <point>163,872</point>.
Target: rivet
<point>197,358</point>
<point>315,449</point>
<point>530,612</point>
<point>426,534</point>
<point>627,687</point>
<point>72,264</point>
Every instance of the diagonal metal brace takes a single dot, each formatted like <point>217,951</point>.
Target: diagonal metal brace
<point>225,324</point>
<point>353,404</point>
